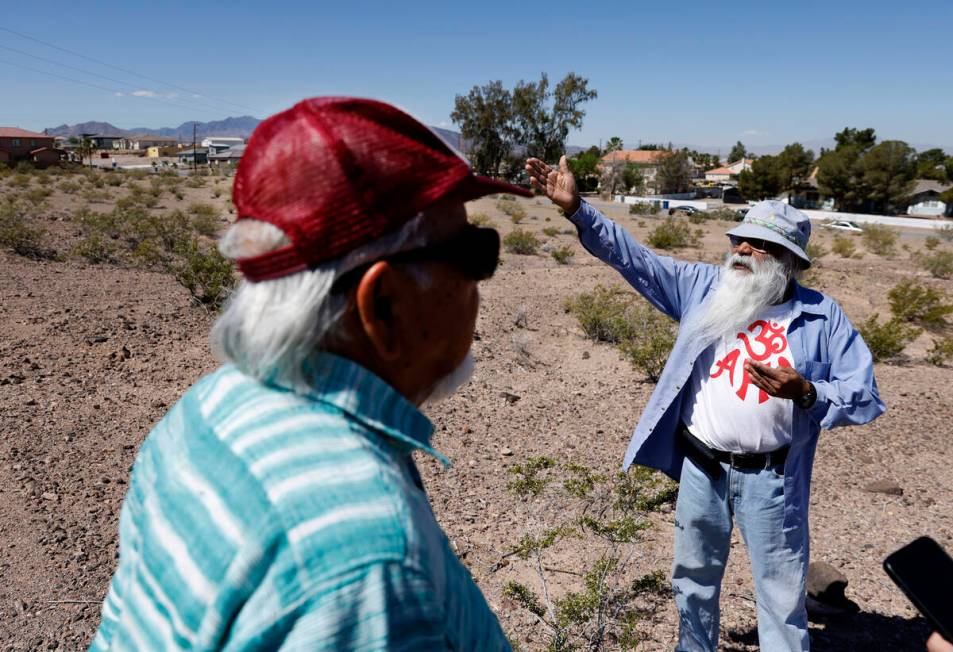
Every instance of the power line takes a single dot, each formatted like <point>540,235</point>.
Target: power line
<point>111,91</point>
<point>120,69</point>
<point>94,74</point>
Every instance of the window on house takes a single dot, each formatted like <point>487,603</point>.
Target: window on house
<point>32,143</point>
<point>14,142</point>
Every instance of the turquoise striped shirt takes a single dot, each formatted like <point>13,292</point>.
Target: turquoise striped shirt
<point>260,519</point>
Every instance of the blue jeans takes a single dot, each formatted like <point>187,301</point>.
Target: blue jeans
<point>704,513</point>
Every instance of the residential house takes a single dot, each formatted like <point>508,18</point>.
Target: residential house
<point>925,201</point>
<point>646,160</point>
<point>198,155</point>
<point>19,144</point>
<point>220,143</point>
<point>106,141</point>
<point>229,155</point>
<point>728,175</point>
<point>145,141</point>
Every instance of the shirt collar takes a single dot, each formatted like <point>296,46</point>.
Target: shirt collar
<point>367,398</point>
<point>807,300</point>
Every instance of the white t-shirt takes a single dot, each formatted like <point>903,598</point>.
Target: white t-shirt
<point>724,409</point>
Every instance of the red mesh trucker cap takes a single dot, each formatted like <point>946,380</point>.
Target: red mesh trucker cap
<point>335,173</point>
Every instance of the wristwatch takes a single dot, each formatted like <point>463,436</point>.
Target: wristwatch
<point>808,399</point>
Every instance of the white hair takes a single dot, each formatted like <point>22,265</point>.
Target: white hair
<point>740,297</point>
<point>268,329</point>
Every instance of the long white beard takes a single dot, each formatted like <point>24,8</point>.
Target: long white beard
<point>453,381</point>
<point>740,297</point>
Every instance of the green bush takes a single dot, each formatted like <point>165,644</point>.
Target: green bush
<point>527,480</point>
<point>562,255</point>
<point>880,239</point>
<point>648,351</point>
<point>21,180</point>
<point>522,242</point>
<point>205,219</point>
<point>815,251</point>
<point>96,249</point>
<point>672,234</point>
<point>644,336</point>
<point>889,339</point>
<point>603,314</point>
<point>843,246</point>
<point>205,273</point>
<point>480,219</point>
<point>922,305</point>
<point>941,352</point>
<point>723,215</point>
<point>69,187</point>
<point>115,179</point>
<point>643,208</point>
<point>510,207</point>
<point>19,237</point>
<point>551,231</point>
<point>939,263</point>
<point>931,242</point>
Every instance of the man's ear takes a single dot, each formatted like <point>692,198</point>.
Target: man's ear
<point>375,299</point>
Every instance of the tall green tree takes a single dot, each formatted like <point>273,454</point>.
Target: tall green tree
<point>484,116</point>
<point>840,175</point>
<point>763,180</point>
<point>863,139</point>
<point>931,164</point>
<point>674,173</point>
<point>543,118</point>
<point>794,165</point>
<point>889,170</point>
<point>614,144</point>
<point>737,152</point>
<point>585,168</point>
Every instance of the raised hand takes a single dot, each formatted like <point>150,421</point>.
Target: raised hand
<point>558,183</point>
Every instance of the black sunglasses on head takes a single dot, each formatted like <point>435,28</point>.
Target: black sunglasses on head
<point>473,250</point>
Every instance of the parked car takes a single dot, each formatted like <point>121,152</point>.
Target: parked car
<point>687,210</point>
<point>843,226</point>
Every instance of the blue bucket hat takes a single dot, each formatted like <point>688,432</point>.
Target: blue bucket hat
<point>779,223</point>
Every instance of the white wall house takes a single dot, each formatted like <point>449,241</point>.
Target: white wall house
<point>728,173</point>
<point>925,199</point>
<point>222,142</point>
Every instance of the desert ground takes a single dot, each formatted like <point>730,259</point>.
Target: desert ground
<point>93,354</point>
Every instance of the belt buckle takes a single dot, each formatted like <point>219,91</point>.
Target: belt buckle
<point>741,460</point>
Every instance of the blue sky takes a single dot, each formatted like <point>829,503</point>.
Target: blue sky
<point>703,73</point>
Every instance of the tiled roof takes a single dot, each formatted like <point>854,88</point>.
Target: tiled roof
<point>636,156</point>
<point>720,171</point>
<point>926,185</point>
<point>16,132</point>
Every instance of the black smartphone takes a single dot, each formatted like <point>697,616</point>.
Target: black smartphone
<point>924,572</point>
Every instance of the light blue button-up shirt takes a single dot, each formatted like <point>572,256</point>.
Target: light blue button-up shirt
<point>828,351</point>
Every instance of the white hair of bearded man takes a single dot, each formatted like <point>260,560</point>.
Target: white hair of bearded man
<point>741,296</point>
<point>269,329</point>
<point>449,384</point>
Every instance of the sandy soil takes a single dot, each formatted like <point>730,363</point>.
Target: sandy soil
<point>92,356</point>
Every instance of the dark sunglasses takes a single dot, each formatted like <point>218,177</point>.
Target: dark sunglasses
<point>473,250</point>
<point>758,244</point>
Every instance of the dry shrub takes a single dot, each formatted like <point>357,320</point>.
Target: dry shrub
<point>551,231</point>
<point>672,234</point>
<point>205,273</point>
<point>643,208</point>
<point>941,352</point>
<point>880,239</point>
<point>844,246</point>
<point>20,237</point>
<point>939,263</point>
<point>562,255</point>
<point>889,339</point>
<point>205,219</point>
<point>644,336</point>
<point>480,219</point>
<point>521,242</point>
<point>507,205</point>
<point>919,304</point>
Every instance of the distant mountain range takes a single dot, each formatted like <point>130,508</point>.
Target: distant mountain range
<point>241,126</point>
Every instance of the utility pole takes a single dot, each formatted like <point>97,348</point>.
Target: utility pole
<point>194,152</point>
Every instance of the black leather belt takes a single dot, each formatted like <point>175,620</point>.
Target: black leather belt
<point>708,458</point>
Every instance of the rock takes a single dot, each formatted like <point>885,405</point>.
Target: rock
<point>825,591</point>
<point>884,487</point>
<point>48,496</point>
<point>506,452</point>
<point>510,398</point>
<point>585,355</point>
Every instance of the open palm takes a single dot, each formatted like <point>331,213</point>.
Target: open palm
<point>558,183</point>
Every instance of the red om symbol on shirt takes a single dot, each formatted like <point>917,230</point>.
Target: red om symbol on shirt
<point>772,342</point>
